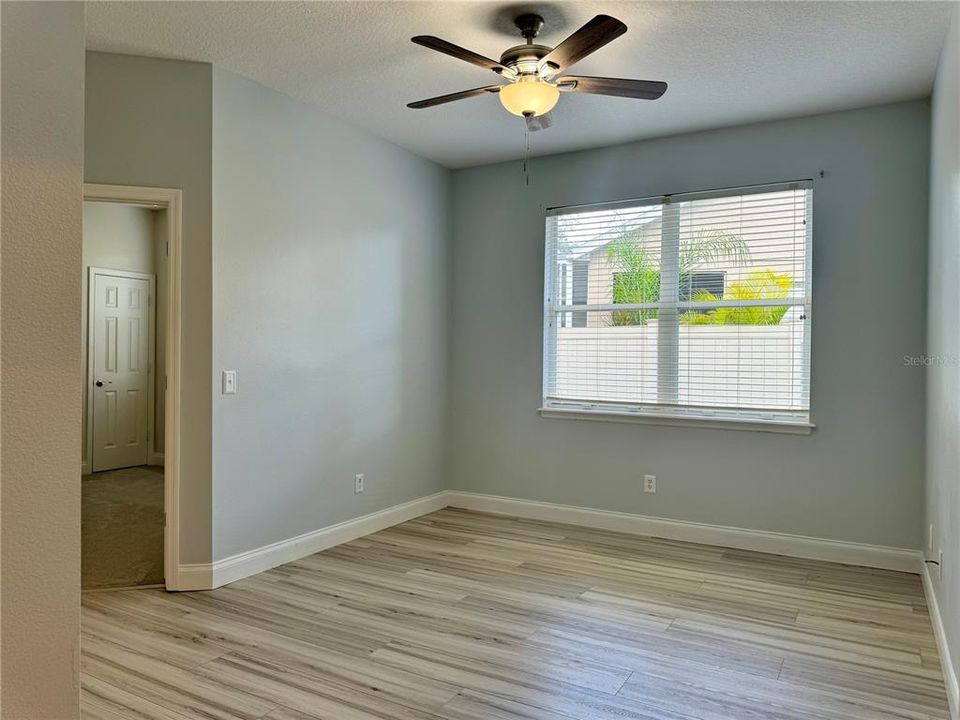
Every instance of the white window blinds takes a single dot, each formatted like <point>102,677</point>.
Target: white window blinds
<point>685,305</point>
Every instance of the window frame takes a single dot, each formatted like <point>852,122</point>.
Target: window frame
<point>666,413</point>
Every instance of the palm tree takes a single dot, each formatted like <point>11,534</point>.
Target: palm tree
<point>636,277</point>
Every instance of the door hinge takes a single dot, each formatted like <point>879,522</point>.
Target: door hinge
<point>167,248</point>
<point>164,519</point>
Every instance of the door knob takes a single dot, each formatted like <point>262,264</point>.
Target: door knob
<point>99,383</point>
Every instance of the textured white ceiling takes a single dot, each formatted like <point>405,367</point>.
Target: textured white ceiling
<point>726,62</point>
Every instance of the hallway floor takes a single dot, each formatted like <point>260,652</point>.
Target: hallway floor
<point>122,528</point>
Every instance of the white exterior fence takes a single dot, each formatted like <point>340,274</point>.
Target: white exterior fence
<point>719,365</point>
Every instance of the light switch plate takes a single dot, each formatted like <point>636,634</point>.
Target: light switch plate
<point>229,382</point>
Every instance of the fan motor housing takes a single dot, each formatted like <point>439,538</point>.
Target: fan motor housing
<point>523,59</point>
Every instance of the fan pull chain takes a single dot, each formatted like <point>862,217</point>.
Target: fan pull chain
<point>526,156</point>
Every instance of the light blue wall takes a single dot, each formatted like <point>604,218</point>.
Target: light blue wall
<point>943,380</point>
<point>329,300</point>
<point>858,477</point>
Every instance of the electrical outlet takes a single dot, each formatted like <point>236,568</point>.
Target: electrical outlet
<point>358,484</point>
<point>650,484</point>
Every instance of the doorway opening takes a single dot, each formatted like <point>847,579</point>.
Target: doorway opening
<point>131,309</point>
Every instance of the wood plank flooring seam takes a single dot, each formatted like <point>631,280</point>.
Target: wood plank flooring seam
<point>625,681</point>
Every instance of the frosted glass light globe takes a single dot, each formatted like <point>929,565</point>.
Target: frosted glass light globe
<point>529,97</point>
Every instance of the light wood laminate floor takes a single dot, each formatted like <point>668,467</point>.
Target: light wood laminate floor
<point>464,616</point>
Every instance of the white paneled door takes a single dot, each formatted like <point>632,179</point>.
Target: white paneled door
<point>121,370</point>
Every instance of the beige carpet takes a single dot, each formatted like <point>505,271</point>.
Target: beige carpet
<point>122,528</point>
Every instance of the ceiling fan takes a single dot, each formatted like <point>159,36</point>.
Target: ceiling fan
<point>534,74</point>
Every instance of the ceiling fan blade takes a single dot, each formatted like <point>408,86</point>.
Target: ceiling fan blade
<point>619,87</point>
<point>591,37</point>
<point>447,48</point>
<point>539,122</point>
<point>463,95</point>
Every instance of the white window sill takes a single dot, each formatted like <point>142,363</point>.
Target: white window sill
<point>755,425</point>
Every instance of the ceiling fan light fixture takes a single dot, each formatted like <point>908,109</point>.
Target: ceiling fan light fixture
<point>536,74</point>
<point>529,97</point>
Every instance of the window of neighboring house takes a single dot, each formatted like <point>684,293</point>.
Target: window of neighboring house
<point>684,307</point>
<point>711,282</point>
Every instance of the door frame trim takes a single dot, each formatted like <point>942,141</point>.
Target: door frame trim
<point>171,200</point>
<point>92,272</point>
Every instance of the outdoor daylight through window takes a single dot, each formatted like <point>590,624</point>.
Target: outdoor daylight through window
<point>693,306</point>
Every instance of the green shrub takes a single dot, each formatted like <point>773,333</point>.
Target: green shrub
<point>758,285</point>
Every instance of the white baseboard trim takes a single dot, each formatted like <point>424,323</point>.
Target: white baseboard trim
<point>237,567</point>
<point>154,459</point>
<point>197,576</point>
<point>876,556</point>
<point>206,576</point>
<point>940,633</point>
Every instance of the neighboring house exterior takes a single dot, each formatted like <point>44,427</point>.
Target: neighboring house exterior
<point>588,273</point>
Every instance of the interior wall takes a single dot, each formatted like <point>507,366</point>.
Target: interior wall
<point>42,147</point>
<point>942,527</point>
<point>123,237</point>
<point>329,302</point>
<point>858,477</point>
<point>149,123</point>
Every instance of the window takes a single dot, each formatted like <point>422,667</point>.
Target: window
<point>684,308</point>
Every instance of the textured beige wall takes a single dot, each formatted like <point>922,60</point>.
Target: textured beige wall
<point>42,158</point>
